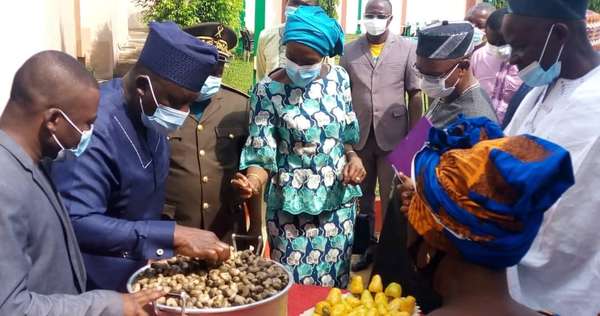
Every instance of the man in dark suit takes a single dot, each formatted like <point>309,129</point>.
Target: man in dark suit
<point>50,113</point>
<point>205,151</point>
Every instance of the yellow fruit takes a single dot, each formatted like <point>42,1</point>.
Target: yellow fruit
<point>381,309</point>
<point>398,313</point>
<point>334,296</point>
<point>356,285</point>
<point>371,312</point>
<point>394,305</point>
<point>322,307</point>
<point>381,299</point>
<point>393,290</point>
<point>366,298</point>
<point>352,301</point>
<point>376,285</point>
<point>408,305</point>
<point>339,310</point>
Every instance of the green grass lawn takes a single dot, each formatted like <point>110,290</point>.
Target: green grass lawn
<point>238,74</point>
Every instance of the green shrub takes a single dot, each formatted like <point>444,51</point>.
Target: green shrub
<point>330,6</point>
<point>595,5</point>
<point>191,12</point>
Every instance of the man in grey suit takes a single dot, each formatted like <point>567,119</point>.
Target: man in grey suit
<point>380,68</point>
<point>51,109</point>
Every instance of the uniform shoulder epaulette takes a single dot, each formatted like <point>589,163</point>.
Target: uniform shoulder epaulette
<point>232,89</point>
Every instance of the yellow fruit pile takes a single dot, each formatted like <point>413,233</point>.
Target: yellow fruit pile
<point>361,302</point>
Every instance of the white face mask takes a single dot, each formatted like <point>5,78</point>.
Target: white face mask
<point>375,26</point>
<point>503,51</point>
<point>436,87</point>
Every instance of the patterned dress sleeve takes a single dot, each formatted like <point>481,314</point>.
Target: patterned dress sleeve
<point>351,130</point>
<point>260,149</point>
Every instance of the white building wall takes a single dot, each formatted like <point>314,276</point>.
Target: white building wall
<point>28,27</point>
<point>423,11</point>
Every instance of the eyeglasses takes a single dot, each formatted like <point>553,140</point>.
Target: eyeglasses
<point>376,16</point>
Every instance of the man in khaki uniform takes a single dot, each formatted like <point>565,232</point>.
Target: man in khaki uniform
<point>205,151</point>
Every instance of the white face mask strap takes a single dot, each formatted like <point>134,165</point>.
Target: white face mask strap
<point>70,122</point>
<point>58,142</point>
<point>546,44</point>
<point>450,73</point>
<point>151,90</point>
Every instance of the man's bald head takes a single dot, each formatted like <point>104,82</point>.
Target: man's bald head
<point>49,79</point>
<point>479,13</point>
<point>53,98</point>
<point>386,4</point>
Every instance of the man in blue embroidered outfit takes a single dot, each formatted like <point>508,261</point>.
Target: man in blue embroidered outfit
<point>480,202</point>
<point>115,191</point>
<point>302,128</point>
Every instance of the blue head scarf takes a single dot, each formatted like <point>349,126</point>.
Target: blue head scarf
<point>484,194</point>
<point>311,26</point>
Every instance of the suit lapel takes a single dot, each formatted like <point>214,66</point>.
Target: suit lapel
<point>41,178</point>
<point>386,48</point>
<point>364,45</point>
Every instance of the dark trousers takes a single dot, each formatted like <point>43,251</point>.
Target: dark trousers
<point>378,169</point>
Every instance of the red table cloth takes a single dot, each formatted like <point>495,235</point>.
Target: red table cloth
<point>303,297</point>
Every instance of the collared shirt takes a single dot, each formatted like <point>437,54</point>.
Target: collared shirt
<point>115,193</point>
<point>497,77</point>
<point>472,103</point>
<point>271,53</point>
<point>561,271</point>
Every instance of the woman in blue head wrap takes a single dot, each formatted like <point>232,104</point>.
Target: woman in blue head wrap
<point>302,128</point>
<point>479,203</point>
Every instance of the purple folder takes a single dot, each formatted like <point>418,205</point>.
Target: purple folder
<point>401,157</point>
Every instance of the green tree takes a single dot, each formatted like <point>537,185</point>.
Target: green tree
<point>595,5</point>
<point>330,6</point>
<point>191,12</point>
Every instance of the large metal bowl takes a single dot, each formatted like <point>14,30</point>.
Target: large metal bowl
<point>275,305</point>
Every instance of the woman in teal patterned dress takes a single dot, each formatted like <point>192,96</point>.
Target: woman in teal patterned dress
<point>302,128</point>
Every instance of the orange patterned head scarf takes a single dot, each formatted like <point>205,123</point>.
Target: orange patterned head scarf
<point>484,195</point>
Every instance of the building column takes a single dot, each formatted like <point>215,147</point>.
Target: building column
<point>344,12</point>
<point>359,17</point>
<point>259,20</point>
<point>469,4</point>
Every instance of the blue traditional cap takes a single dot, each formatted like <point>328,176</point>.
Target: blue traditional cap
<point>177,56</point>
<point>550,9</point>
<point>446,40</point>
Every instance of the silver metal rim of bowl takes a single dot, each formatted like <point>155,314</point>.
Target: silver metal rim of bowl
<point>166,308</point>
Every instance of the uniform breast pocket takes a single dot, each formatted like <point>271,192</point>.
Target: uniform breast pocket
<point>229,145</point>
<point>180,150</point>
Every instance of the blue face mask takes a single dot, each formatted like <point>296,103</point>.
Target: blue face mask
<point>84,140</point>
<point>535,76</point>
<point>478,36</point>
<point>165,119</point>
<point>290,10</point>
<point>302,76</point>
<point>210,88</point>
